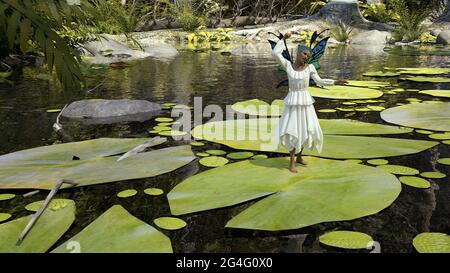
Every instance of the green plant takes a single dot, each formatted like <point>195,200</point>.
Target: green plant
<point>342,32</point>
<point>304,36</point>
<point>185,13</point>
<point>379,13</point>
<point>427,37</point>
<point>34,24</point>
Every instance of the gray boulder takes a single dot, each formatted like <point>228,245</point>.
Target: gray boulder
<point>372,37</point>
<point>100,111</point>
<point>443,37</point>
<point>158,49</point>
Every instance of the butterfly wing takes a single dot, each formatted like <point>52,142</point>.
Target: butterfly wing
<point>317,52</point>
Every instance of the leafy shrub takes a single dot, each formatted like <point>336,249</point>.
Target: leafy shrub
<point>342,32</point>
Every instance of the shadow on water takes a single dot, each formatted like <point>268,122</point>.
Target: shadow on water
<point>223,80</point>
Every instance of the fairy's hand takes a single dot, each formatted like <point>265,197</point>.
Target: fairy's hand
<point>341,82</point>
<point>287,35</point>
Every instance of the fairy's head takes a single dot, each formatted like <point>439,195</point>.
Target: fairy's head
<point>303,54</point>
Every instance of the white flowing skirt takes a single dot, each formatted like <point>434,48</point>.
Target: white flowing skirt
<point>299,127</point>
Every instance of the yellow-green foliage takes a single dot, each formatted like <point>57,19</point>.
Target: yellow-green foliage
<point>427,37</point>
<point>379,13</point>
<point>201,35</point>
<point>305,36</point>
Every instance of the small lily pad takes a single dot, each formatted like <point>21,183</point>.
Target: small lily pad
<point>53,110</point>
<point>169,104</point>
<point>445,161</point>
<point>153,191</point>
<point>447,142</point>
<point>398,169</point>
<point>169,223</point>
<point>378,161</point>
<point>213,161</point>
<point>424,132</point>
<point>432,242</point>
<point>349,103</point>
<point>414,181</point>
<point>346,239</point>
<point>376,108</point>
<point>202,154</point>
<point>6,196</point>
<point>326,110</point>
<point>259,157</point>
<point>154,132</point>
<point>442,136</point>
<point>165,124</point>
<point>197,143</point>
<point>216,152</point>
<point>345,109</point>
<point>162,119</point>
<point>4,217</point>
<point>436,175</point>
<point>127,193</point>
<point>162,128</point>
<point>423,70</point>
<point>55,204</point>
<point>362,109</point>
<point>240,155</point>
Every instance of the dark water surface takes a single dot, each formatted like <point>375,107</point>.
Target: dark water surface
<point>223,80</point>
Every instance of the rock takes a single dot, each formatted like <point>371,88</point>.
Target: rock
<point>372,37</point>
<point>100,111</point>
<point>158,49</point>
<point>443,37</point>
<point>436,31</point>
<point>109,50</point>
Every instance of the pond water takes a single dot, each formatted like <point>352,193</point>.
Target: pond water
<point>222,79</point>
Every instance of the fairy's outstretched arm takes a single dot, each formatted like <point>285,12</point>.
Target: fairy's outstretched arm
<point>317,79</point>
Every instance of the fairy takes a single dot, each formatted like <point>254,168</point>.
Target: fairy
<point>299,126</point>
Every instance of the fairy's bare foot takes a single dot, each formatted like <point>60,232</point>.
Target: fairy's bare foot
<point>301,161</point>
<point>293,169</point>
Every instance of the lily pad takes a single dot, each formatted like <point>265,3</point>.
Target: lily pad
<point>356,161</point>
<point>258,135</point>
<point>424,132</point>
<point>326,110</point>
<point>53,110</point>
<point>376,108</point>
<point>445,161</point>
<point>343,109</point>
<point>432,242</point>
<point>372,84</point>
<point>240,155</point>
<point>55,204</point>
<point>259,157</point>
<point>42,167</point>
<point>213,161</point>
<point>6,196</point>
<point>202,154</point>
<point>128,235</point>
<point>127,193</point>
<point>349,103</point>
<point>327,190</point>
<point>169,223</point>
<point>378,161</point>
<point>424,70</point>
<point>258,107</point>
<point>153,191</point>
<point>381,74</point>
<point>426,79</point>
<point>165,124</point>
<point>197,143</point>
<point>162,119</point>
<point>415,182</point>
<point>161,128</point>
<point>445,135</point>
<point>420,115</point>
<point>346,239</point>
<point>345,92</point>
<point>216,152</point>
<point>46,231</point>
<point>4,217</point>
<point>437,93</point>
<point>436,175</point>
<point>398,169</point>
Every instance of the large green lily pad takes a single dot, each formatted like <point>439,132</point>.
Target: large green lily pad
<point>423,70</point>
<point>381,74</point>
<point>370,84</point>
<point>325,190</point>
<point>426,79</point>
<point>46,231</point>
<point>116,230</point>
<point>345,92</point>
<point>432,242</point>
<point>41,172</point>
<point>258,135</point>
<point>437,93</point>
<point>258,107</point>
<point>420,115</point>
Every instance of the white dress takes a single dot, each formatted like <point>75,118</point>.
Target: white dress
<point>299,126</point>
